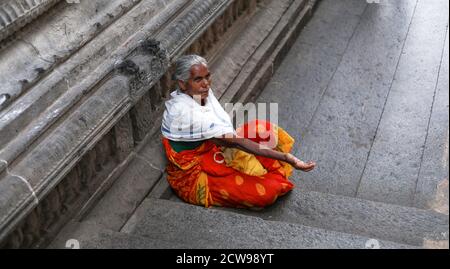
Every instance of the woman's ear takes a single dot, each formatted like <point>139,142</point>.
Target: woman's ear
<point>181,85</point>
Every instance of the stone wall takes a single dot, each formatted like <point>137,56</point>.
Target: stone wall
<point>14,14</point>
<point>83,87</point>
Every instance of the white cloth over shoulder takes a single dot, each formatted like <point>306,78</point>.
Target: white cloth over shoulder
<point>186,120</point>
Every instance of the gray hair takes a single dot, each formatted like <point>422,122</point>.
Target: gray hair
<point>183,66</point>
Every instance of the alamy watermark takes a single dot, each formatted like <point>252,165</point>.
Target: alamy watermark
<point>72,244</point>
<point>372,244</point>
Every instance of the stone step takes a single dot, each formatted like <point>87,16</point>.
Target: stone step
<point>91,235</point>
<point>390,222</point>
<point>199,227</point>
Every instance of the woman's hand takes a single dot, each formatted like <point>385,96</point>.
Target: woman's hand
<point>298,164</point>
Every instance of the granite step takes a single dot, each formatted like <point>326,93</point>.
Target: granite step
<point>91,235</point>
<point>198,227</point>
<point>407,225</point>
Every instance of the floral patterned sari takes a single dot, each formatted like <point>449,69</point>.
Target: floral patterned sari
<point>210,175</point>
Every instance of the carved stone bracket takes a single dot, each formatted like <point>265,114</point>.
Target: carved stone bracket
<point>144,67</point>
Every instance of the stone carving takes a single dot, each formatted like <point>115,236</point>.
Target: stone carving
<point>60,203</point>
<point>141,117</point>
<point>183,31</point>
<point>14,14</point>
<point>123,134</point>
<point>153,47</point>
<point>128,67</point>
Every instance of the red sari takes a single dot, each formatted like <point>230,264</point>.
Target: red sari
<point>202,177</point>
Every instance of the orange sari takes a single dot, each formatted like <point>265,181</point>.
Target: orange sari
<point>213,176</point>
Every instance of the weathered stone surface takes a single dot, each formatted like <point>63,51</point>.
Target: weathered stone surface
<point>249,82</point>
<point>43,45</point>
<point>395,223</point>
<point>432,186</point>
<point>65,145</point>
<point>128,191</point>
<point>75,77</point>
<point>349,110</point>
<point>15,14</point>
<point>179,35</point>
<point>332,25</point>
<point>153,153</point>
<point>15,191</point>
<point>123,133</point>
<point>90,235</point>
<point>199,227</point>
<point>300,82</point>
<point>245,44</point>
<point>311,79</point>
<point>162,189</point>
<point>395,158</point>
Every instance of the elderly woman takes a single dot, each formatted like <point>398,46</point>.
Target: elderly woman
<point>210,163</point>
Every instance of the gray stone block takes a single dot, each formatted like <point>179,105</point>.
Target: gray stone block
<point>297,91</point>
<point>15,14</point>
<point>15,192</point>
<point>242,51</point>
<point>395,223</point>
<point>347,7</point>
<point>432,186</point>
<point>332,25</point>
<point>199,227</point>
<point>341,131</point>
<point>395,158</point>
<point>89,235</point>
<point>162,189</point>
<point>49,39</point>
<point>153,153</point>
<point>128,191</point>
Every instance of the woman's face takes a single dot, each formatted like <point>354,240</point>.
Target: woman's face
<point>199,82</point>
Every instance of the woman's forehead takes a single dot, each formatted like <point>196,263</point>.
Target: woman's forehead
<point>199,70</point>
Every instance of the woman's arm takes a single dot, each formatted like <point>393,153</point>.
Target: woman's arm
<point>233,141</point>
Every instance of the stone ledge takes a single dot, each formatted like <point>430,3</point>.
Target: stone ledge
<point>15,14</point>
<point>61,34</point>
<point>199,227</point>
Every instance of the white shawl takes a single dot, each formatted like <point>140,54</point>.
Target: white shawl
<point>186,120</point>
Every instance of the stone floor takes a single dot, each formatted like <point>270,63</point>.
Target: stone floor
<point>364,91</point>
